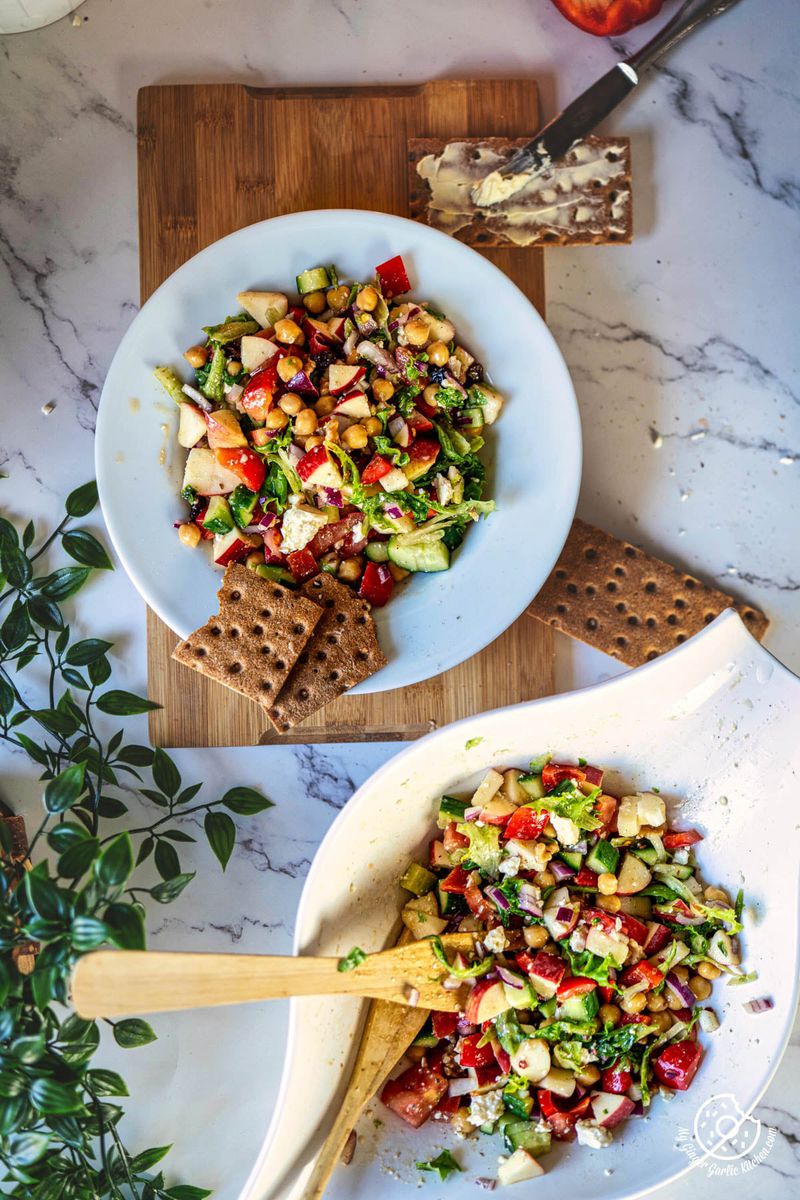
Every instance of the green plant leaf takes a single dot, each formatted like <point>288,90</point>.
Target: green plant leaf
<point>65,582</point>
<point>55,722</point>
<point>124,704</point>
<point>85,548</point>
<point>16,627</point>
<point>45,612</point>
<point>62,641</point>
<point>63,791</point>
<point>170,889</point>
<point>115,864</point>
<point>126,926</point>
<point>245,801</point>
<point>75,678</point>
<point>221,834</point>
<point>16,567</point>
<point>65,835</point>
<point>132,1032</point>
<point>88,933</point>
<point>111,808</point>
<point>88,651</point>
<point>78,859</point>
<point>5,982</point>
<point>176,835</point>
<point>25,1149</point>
<point>44,985</point>
<point>29,1049</point>
<point>136,756</point>
<point>106,1083</point>
<point>50,1096</point>
<point>82,500</point>
<point>43,896</point>
<point>148,1158</point>
<point>6,697</point>
<point>165,774</point>
<point>185,1191</point>
<point>145,850</point>
<point>188,793</point>
<point>99,671</point>
<point>166,860</point>
<point>28,534</point>
<point>8,535</point>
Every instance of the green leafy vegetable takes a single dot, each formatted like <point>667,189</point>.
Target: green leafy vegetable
<point>472,742</point>
<point>354,958</point>
<point>614,1042</point>
<point>517,1096</point>
<point>508,1030</point>
<point>444,1164</point>
<point>568,801</point>
<point>484,846</point>
<point>473,971</point>
<point>388,450</point>
<point>590,966</point>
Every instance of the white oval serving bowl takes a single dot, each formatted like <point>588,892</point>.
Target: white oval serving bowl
<point>533,453</point>
<point>714,725</point>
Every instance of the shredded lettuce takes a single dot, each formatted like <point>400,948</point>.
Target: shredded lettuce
<point>352,959</point>
<point>568,801</point>
<point>559,1031</point>
<point>570,1054</point>
<point>591,966</point>
<point>613,1042</point>
<point>473,971</point>
<point>508,1030</point>
<point>484,846</point>
<point>444,1164</point>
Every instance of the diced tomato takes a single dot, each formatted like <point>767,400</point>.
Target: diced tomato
<point>334,532</point>
<point>605,808</point>
<point>555,773</point>
<point>676,1065</point>
<point>198,520</point>
<point>424,451</point>
<point>594,775</point>
<point>258,396</point>
<point>444,1023</point>
<point>376,584</point>
<point>635,1018</point>
<point>428,410</point>
<point>470,1054</point>
<point>250,468</point>
<point>415,1094</point>
<point>559,1117</point>
<point>630,926</point>
<point>453,840</point>
<point>302,564</point>
<point>641,972</point>
<point>608,18</point>
<point>457,881</point>
<point>477,903</point>
<point>447,1108</point>
<point>616,1079</point>
<point>526,824</point>
<point>576,985</point>
<point>419,423</point>
<point>585,878</point>
<point>676,839</point>
<point>375,469</point>
<point>487,1075</point>
<point>393,277</point>
<point>272,546</point>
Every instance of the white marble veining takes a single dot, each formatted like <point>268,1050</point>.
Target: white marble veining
<point>683,350</point>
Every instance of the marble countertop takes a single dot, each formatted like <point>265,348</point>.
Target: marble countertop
<point>682,348</point>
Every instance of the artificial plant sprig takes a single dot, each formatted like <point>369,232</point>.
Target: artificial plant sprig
<point>59,1136</point>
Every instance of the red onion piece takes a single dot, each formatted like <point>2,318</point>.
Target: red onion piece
<point>497,897</point>
<point>529,901</point>
<point>564,914</point>
<point>484,1181</point>
<point>762,1004</point>
<point>510,977</point>
<point>295,453</point>
<point>393,511</point>
<point>472,814</point>
<point>460,1087</point>
<point>197,397</point>
<point>302,384</point>
<point>681,990</point>
<point>412,996</point>
<point>464,1027</point>
<point>377,356</point>
<point>561,870</point>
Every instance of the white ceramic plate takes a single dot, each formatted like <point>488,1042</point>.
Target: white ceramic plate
<point>714,725</point>
<point>533,453</point>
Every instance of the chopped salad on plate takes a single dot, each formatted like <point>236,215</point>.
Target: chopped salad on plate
<point>338,431</point>
<point>597,948</point>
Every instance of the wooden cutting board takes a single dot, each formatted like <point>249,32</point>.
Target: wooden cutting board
<point>216,157</point>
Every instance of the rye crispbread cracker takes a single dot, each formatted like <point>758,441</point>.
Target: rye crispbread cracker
<point>585,199</point>
<point>343,650</point>
<point>256,638</point>
<point>613,596</point>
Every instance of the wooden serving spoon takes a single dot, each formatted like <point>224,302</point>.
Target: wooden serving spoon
<point>113,983</point>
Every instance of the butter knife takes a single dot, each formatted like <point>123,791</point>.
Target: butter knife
<point>585,113</point>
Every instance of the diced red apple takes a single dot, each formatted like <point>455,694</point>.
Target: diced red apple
<point>422,454</point>
<point>497,811</point>
<point>609,1109</point>
<point>394,481</point>
<point>191,427</point>
<point>207,476</point>
<point>400,431</point>
<point>336,328</point>
<point>353,404</point>
<point>317,469</point>
<point>657,937</point>
<point>342,377</point>
<point>560,920</point>
<point>559,1082</point>
<point>633,875</point>
<point>601,943</point>
<point>486,1000</point>
<point>519,1167</point>
<point>546,973</point>
<point>224,430</point>
<point>531,1059</point>
<point>234,546</point>
<point>255,351</point>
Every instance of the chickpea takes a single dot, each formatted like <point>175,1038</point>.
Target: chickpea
<point>373,426</point>
<point>663,1021</point>
<point>350,570</point>
<point>535,936</point>
<point>312,442</point>
<point>700,986</point>
<point>234,368</point>
<point>383,390</point>
<point>544,878</point>
<point>715,893</point>
<point>634,1004</point>
<point>438,354</point>
<point>305,423</point>
<point>289,366</point>
<point>607,883</point>
<point>277,419</point>
<point>416,332</point>
<point>656,1004</point>
<point>610,904</point>
<point>587,1076</point>
<point>288,332</point>
<point>610,1014</point>
<point>291,404</point>
<point>325,406</point>
<point>367,299</point>
<point>337,298</point>
<point>429,395</point>
<point>355,437</point>
<point>674,1002</point>
<point>189,535</point>
<point>708,970</point>
<point>196,356</point>
<point>682,974</point>
<point>397,573</point>
<point>315,303</point>
<point>254,560</point>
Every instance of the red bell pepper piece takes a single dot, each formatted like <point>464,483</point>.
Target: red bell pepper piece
<point>676,1065</point>
<point>608,18</point>
<point>585,878</point>
<point>446,1109</point>
<point>393,277</point>
<point>525,961</point>
<point>470,1054</point>
<point>444,1023</point>
<point>616,1079</point>
<point>453,840</point>
<point>630,926</point>
<point>376,584</point>
<point>415,1094</point>
<point>258,396</point>
<point>429,410</point>
<point>676,839</point>
<point>607,993</point>
<point>302,564</point>
<point>576,985</point>
<point>555,773</point>
<point>642,972</point>
<point>248,466</point>
<point>559,1116</point>
<point>526,824</point>
<point>457,881</point>
<point>375,469</point>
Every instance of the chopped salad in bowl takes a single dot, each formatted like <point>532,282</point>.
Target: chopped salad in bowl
<point>598,947</point>
<point>338,432</point>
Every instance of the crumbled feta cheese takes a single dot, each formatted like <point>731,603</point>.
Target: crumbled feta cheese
<point>594,1135</point>
<point>510,866</point>
<point>567,831</point>
<point>577,939</point>
<point>681,856</point>
<point>651,809</point>
<point>299,526</point>
<point>495,940</point>
<point>486,1107</point>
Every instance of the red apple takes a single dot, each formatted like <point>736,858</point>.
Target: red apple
<point>486,1000</point>
<point>232,547</point>
<point>342,377</point>
<point>657,937</point>
<point>224,430</point>
<point>353,404</point>
<point>610,1109</point>
<point>422,454</point>
<point>318,469</point>
<point>546,973</point>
